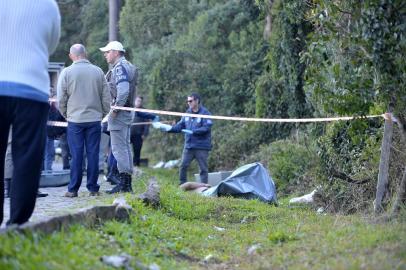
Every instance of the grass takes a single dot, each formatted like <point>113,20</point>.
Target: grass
<point>189,231</point>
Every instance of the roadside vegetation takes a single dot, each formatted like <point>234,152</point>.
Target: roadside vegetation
<point>265,59</point>
<point>189,231</point>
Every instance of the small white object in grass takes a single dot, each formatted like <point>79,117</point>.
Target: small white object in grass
<point>308,198</point>
<point>159,165</point>
<point>320,210</point>
<point>116,260</point>
<point>219,229</point>
<point>252,249</point>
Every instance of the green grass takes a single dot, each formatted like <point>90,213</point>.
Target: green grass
<point>188,227</point>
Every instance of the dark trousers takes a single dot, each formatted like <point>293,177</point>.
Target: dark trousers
<point>80,135</point>
<point>63,143</point>
<point>136,142</point>
<point>111,163</point>
<point>28,119</point>
<point>201,158</point>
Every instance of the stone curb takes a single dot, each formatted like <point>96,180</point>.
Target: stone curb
<point>91,216</point>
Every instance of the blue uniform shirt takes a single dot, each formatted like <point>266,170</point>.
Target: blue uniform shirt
<point>201,127</point>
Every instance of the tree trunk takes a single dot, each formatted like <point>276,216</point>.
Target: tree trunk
<point>114,9</point>
<point>268,22</point>
<point>401,192</point>
<point>384,165</point>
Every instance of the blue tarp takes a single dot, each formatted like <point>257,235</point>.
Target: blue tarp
<point>250,181</point>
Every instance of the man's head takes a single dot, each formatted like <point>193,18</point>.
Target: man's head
<point>77,52</point>
<point>138,102</point>
<point>113,51</point>
<point>193,100</point>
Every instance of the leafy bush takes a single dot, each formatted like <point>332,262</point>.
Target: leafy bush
<point>289,163</point>
<point>349,154</point>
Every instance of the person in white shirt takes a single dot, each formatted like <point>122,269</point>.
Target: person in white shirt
<point>30,33</point>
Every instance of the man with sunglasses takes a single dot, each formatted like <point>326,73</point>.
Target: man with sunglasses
<point>197,138</point>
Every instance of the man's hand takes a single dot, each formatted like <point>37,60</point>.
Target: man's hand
<point>113,114</point>
<point>165,128</point>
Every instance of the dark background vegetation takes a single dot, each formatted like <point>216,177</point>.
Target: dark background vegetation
<point>316,59</point>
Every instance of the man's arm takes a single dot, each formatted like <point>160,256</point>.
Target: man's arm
<point>62,93</point>
<point>177,128</point>
<point>105,95</point>
<point>145,131</point>
<point>122,84</point>
<point>206,127</point>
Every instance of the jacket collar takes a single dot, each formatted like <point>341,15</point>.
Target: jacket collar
<point>81,61</point>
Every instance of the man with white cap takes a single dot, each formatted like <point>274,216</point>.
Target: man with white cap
<point>122,79</point>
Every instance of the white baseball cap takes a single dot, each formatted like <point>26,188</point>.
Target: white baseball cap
<point>113,45</point>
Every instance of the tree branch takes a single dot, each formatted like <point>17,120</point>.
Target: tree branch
<point>347,178</point>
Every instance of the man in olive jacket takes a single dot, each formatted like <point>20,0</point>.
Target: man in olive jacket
<point>84,99</point>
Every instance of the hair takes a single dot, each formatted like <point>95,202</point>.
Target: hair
<point>195,96</point>
<point>121,53</point>
<point>78,50</point>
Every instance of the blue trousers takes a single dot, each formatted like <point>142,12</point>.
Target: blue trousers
<point>28,119</point>
<point>201,157</point>
<point>49,155</point>
<point>80,135</point>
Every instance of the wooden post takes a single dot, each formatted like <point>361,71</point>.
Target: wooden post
<point>401,197</point>
<point>384,164</point>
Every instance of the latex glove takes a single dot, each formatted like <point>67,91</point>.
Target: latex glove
<point>165,128</point>
<point>187,131</point>
<point>156,119</point>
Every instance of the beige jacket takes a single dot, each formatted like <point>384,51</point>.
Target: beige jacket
<point>83,94</point>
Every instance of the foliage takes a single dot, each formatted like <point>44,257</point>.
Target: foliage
<point>188,228</point>
<point>354,68</point>
<point>288,162</point>
<point>354,56</point>
<point>349,160</point>
<point>94,32</point>
<point>322,58</point>
<point>85,22</point>
<point>280,89</point>
<point>70,30</point>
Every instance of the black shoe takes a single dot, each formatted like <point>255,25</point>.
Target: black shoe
<point>127,183</point>
<point>124,185</point>
<point>116,189</point>
<point>113,179</point>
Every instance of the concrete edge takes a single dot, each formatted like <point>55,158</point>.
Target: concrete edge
<point>90,216</point>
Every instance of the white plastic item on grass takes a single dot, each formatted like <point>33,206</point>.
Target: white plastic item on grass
<point>308,198</point>
<point>171,164</point>
<point>159,165</point>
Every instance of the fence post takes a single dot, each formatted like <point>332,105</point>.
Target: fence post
<point>384,163</point>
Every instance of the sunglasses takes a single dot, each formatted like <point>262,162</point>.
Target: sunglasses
<point>190,100</point>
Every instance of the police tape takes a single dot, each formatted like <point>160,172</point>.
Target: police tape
<point>65,124</point>
<point>247,119</point>
<point>230,118</point>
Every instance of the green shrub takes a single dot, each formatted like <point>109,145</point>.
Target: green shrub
<point>288,162</point>
<point>349,154</point>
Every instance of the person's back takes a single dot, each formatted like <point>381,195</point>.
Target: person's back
<point>84,100</point>
<point>84,84</point>
<point>30,33</point>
